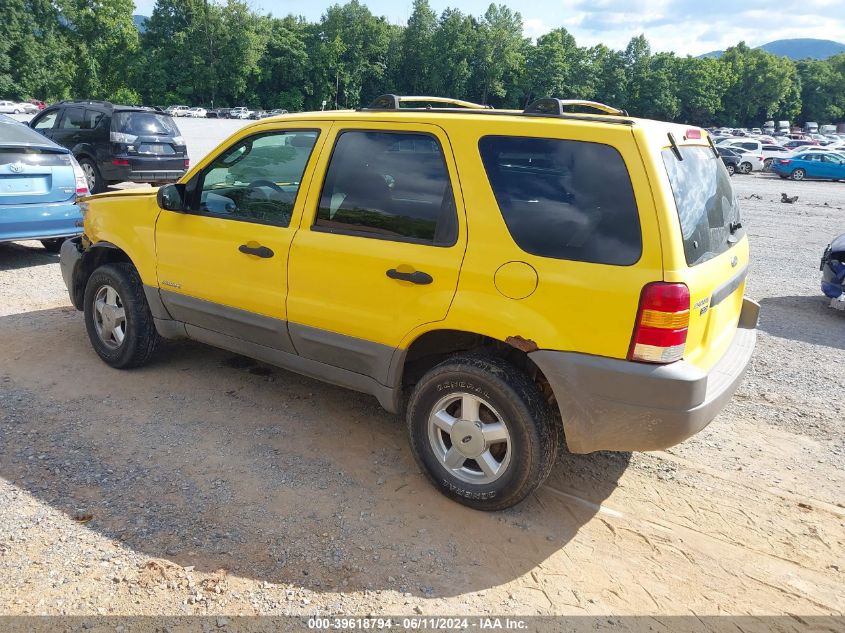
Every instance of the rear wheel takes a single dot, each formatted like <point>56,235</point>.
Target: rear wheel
<point>117,316</point>
<point>767,164</point>
<point>798,174</point>
<point>92,175</point>
<point>54,245</point>
<point>745,167</point>
<point>731,169</point>
<point>482,432</point>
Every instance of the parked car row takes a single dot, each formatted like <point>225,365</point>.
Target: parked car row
<point>20,107</point>
<point>240,112</point>
<point>759,153</point>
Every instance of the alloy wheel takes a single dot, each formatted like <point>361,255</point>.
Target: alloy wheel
<point>469,438</point>
<point>109,317</point>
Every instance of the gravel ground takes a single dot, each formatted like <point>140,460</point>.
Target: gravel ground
<point>210,484</point>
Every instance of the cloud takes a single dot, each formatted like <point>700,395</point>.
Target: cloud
<point>694,27</point>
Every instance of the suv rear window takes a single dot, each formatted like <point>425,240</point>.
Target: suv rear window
<point>144,124</point>
<point>564,199</point>
<point>705,200</point>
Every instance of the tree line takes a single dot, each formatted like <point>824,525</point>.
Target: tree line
<point>204,52</point>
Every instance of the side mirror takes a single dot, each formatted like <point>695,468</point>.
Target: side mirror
<point>171,197</point>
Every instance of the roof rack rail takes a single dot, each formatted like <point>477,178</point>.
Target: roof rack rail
<point>393,102</point>
<point>555,107</point>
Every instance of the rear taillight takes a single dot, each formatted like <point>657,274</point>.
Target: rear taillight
<point>660,332</point>
<point>187,163</point>
<point>784,161</point>
<point>79,177</point>
<point>120,162</point>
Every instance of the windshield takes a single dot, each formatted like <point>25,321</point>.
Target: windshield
<point>705,199</point>
<point>144,124</point>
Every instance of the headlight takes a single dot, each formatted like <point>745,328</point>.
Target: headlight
<point>120,137</point>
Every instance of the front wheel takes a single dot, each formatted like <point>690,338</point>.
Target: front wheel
<point>117,316</point>
<point>731,169</point>
<point>482,432</point>
<point>798,174</point>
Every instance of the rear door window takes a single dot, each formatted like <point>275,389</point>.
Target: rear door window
<point>564,199</point>
<point>73,119</point>
<point>705,200</point>
<point>389,185</point>
<point>92,119</point>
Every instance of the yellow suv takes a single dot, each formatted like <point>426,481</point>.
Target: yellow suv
<point>509,279</point>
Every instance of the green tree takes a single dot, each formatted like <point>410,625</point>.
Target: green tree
<point>637,67</point>
<point>822,89</point>
<point>765,86</point>
<point>702,83</point>
<point>455,40</point>
<point>105,41</point>
<point>555,68</point>
<point>415,68</point>
<point>35,58</point>
<point>500,53</point>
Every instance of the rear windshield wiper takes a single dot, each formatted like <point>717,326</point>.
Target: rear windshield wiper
<point>734,227</point>
<point>675,149</point>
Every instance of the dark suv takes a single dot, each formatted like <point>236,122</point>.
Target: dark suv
<point>115,143</point>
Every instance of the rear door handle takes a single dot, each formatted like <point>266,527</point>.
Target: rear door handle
<point>258,251</point>
<point>416,277</point>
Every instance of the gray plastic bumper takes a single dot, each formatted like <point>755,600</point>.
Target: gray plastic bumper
<point>617,405</point>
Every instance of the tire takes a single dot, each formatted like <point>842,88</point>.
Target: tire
<point>121,342</point>
<point>523,436</point>
<point>745,167</point>
<point>92,175</point>
<point>731,169</point>
<point>798,174</point>
<point>54,245</point>
<point>767,164</point>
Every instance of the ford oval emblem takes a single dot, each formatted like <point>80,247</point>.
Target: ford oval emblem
<point>734,261</point>
<point>16,167</point>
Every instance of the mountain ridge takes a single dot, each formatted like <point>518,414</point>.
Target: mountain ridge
<point>797,48</point>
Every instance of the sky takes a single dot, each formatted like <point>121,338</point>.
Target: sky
<point>686,27</point>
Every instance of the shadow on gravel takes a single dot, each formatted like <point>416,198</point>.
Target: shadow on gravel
<point>803,318</point>
<point>16,255</point>
<point>223,463</point>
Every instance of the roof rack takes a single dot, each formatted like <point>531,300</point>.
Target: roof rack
<point>393,102</point>
<point>555,107</point>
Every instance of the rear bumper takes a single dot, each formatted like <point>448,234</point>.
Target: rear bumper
<point>617,405</point>
<point>70,258</point>
<point>39,221</point>
<point>146,169</point>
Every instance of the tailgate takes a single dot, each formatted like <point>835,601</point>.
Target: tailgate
<point>35,175</point>
<point>713,261</point>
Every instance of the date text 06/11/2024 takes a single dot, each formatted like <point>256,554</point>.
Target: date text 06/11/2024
<point>417,623</point>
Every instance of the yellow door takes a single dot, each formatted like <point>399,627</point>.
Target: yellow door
<point>380,244</point>
<point>222,265</point>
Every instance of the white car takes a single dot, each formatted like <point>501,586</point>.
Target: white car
<point>771,152</point>
<point>239,113</point>
<point>13,107</point>
<point>177,110</point>
<point>197,113</point>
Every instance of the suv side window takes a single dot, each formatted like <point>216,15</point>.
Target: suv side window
<point>73,119</point>
<point>257,179</point>
<point>564,199</point>
<point>92,119</point>
<point>389,185</point>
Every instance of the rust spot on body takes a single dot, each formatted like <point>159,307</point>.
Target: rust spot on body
<point>522,344</point>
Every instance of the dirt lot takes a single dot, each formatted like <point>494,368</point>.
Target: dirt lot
<point>209,484</point>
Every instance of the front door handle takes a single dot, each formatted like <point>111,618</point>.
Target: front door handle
<point>258,251</point>
<point>416,277</point>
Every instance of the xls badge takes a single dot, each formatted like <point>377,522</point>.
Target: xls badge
<point>702,305</point>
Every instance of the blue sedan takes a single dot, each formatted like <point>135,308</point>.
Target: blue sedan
<point>825,165</point>
<point>39,185</point>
